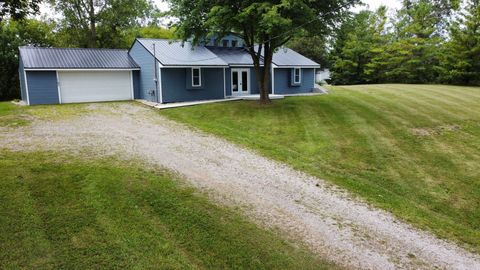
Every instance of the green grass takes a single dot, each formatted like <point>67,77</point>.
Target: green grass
<point>410,149</point>
<point>64,212</point>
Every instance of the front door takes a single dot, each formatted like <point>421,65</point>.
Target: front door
<point>240,81</point>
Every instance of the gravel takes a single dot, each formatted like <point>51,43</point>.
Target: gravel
<point>329,221</point>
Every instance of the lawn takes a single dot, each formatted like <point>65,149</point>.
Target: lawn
<point>64,212</point>
<point>413,150</point>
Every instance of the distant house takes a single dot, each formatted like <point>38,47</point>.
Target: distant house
<point>156,70</point>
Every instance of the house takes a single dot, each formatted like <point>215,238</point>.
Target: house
<point>156,70</point>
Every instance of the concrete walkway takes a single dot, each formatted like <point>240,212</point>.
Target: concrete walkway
<point>193,103</point>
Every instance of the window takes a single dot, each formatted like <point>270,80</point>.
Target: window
<point>225,43</point>
<point>297,77</point>
<point>234,43</point>
<point>196,77</point>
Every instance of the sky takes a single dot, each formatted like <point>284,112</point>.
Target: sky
<point>372,4</point>
<point>163,6</point>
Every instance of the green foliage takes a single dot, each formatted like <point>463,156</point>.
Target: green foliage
<point>311,46</point>
<point>18,9</point>
<point>63,211</point>
<point>425,45</point>
<point>461,60</point>
<point>12,35</point>
<point>357,58</point>
<point>410,149</point>
<point>102,24</point>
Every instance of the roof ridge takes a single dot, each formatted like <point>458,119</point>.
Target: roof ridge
<point>65,48</point>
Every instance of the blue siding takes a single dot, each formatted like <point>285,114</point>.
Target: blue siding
<point>147,70</point>
<point>174,85</point>
<point>21,75</point>
<point>136,84</point>
<point>42,87</point>
<point>283,77</point>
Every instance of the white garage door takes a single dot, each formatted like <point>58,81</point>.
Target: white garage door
<point>91,86</point>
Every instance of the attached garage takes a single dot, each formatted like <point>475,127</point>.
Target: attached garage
<point>63,75</point>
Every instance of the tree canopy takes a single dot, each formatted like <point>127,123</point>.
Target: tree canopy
<point>426,41</point>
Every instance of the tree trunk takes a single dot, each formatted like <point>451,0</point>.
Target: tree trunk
<point>93,29</point>
<point>263,76</point>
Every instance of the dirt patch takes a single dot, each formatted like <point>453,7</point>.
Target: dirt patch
<point>427,131</point>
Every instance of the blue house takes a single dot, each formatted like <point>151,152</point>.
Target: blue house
<point>156,70</point>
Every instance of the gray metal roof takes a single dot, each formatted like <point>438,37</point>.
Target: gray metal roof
<point>75,58</point>
<point>174,53</point>
<point>233,56</point>
<point>288,57</point>
<point>282,57</point>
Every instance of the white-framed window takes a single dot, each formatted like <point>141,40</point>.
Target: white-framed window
<point>234,43</point>
<point>225,43</point>
<point>297,76</point>
<point>196,77</point>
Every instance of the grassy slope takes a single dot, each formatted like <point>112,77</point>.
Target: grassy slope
<point>413,150</point>
<point>63,212</point>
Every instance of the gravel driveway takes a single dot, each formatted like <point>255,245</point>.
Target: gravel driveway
<point>327,220</point>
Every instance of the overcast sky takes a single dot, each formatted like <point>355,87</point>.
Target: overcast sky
<point>372,4</point>
<point>162,5</point>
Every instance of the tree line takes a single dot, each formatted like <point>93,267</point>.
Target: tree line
<point>77,23</point>
<point>426,41</point>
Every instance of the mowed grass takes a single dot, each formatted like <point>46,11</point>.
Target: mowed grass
<point>63,212</point>
<point>413,150</point>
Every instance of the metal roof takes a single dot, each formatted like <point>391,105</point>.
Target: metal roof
<point>233,56</point>
<point>176,53</point>
<point>288,57</point>
<point>282,57</point>
<point>75,58</point>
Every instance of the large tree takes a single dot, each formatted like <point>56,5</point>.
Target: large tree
<point>359,43</point>
<point>99,23</point>
<point>461,61</point>
<point>265,26</point>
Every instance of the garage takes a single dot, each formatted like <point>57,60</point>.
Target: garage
<point>94,86</point>
<point>72,75</point>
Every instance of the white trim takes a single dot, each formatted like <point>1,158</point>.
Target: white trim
<point>300,66</point>
<point>131,85</point>
<point>314,77</point>
<point>240,65</point>
<point>295,75</point>
<point>224,84</point>
<point>224,66</point>
<point>273,80</point>
<point>239,78</point>
<point>26,86</point>
<point>81,69</point>
<point>199,77</point>
<point>58,89</point>
<point>160,88</point>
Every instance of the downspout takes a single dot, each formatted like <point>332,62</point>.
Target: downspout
<point>155,79</point>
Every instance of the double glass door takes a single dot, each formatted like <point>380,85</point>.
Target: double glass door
<point>240,81</point>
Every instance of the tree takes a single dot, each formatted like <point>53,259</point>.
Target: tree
<point>359,44</point>
<point>312,46</point>
<point>264,26</point>
<point>99,23</point>
<point>461,60</point>
<point>12,35</point>
<point>18,9</point>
